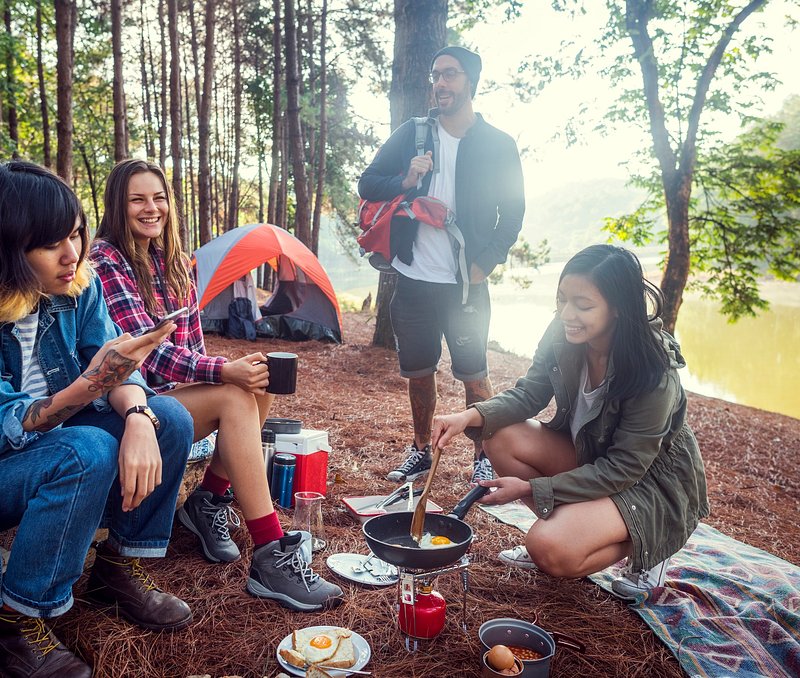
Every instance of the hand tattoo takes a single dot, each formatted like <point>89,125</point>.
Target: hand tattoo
<point>112,371</point>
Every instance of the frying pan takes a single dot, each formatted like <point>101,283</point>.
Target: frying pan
<point>389,536</point>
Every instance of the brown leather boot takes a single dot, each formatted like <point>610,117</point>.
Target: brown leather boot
<point>123,583</point>
<point>28,649</point>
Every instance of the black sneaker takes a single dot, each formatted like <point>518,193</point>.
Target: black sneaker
<point>280,572</point>
<point>417,463</point>
<point>29,648</point>
<point>481,470</point>
<point>208,517</point>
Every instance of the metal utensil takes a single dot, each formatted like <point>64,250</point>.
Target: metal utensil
<point>339,668</point>
<point>418,521</point>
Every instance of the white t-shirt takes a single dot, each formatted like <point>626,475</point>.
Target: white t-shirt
<point>33,382</point>
<point>584,401</point>
<point>434,260</point>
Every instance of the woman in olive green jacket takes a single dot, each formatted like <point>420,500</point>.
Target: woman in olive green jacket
<point>617,472</point>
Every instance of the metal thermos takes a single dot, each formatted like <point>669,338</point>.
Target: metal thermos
<point>282,479</point>
<point>268,448</point>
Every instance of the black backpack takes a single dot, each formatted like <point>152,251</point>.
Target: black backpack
<point>241,323</point>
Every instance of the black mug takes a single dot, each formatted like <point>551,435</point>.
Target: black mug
<point>282,372</point>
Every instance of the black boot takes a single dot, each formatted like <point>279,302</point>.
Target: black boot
<point>28,649</point>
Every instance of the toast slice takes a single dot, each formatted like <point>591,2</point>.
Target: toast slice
<point>345,655</point>
<point>294,658</point>
<point>315,671</point>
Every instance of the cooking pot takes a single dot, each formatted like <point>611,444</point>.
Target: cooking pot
<point>507,631</point>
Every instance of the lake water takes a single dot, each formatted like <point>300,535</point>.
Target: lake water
<point>755,361</point>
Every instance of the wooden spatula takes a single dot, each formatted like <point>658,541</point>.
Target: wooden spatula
<point>418,521</point>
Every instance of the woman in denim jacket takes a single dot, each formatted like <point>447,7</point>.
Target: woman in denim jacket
<point>617,472</point>
<point>81,443</point>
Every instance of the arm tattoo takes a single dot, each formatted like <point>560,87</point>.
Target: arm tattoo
<point>112,371</point>
<point>44,421</point>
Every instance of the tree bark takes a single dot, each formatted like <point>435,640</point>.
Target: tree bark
<point>233,208</point>
<point>46,151</point>
<point>274,176</point>
<point>65,13</point>
<point>149,142</point>
<point>677,166</point>
<point>420,31</point>
<point>190,216</point>
<point>204,127</point>
<point>120,117</point>
<point>162,127</point>
<point>11,85</point>
<point>175,116</point>
<point>323,129</point>
<point>302,216</point>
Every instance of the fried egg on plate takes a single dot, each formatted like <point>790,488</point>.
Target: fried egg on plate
<point>429,541</point>
<point>318,646</point>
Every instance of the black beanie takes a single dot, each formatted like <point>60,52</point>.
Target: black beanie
<point>470,62</point>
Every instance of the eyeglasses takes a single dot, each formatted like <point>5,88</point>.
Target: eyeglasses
<point>449,74</point>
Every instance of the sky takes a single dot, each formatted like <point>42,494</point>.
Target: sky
<point>548,163</point>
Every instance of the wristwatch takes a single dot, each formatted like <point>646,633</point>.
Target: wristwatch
<point>146,411</point>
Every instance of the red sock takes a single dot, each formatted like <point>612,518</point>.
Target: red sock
<point>264,529</point>
<point>213,483</point>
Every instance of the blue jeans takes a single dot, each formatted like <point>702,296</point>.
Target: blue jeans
<point>63,486</point>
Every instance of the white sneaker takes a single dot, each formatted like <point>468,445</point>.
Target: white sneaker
<point>634,585</point>
<point>518,557</point>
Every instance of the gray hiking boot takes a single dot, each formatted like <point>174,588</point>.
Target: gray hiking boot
<point>207,517</point>
<point>280,572</point>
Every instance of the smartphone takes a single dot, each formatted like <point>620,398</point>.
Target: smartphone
<point>167,318</point>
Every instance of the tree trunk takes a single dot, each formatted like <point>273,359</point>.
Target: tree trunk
<point>175,117</point>
<point>233,209</point>
<point>120,117</point>
<point>92,183</point>
<point>283,189</point>
<point>302,216</point>
<point>11,86</point>
<point>420,31</point>
<point>190,216</point>
<point>46,152</point>
<point>274,176</point>
<point>162,128</point>
<point>204,127</point>
<point>323,129</point>
<point>149,142</point>
<point>66,11</point>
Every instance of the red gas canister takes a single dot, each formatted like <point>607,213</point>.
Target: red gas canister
<point>424,618</point>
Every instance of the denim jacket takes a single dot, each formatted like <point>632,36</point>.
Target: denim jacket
<point>71,331</point>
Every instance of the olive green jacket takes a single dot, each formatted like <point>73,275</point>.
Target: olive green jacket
<point>639,452</point>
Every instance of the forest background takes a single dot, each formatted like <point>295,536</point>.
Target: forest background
<point>256,109</point>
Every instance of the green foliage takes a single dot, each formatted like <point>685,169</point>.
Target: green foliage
<point>522,256</point>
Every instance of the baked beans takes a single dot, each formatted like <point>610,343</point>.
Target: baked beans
<point>524,653</point>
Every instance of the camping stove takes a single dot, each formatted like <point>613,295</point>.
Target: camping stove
<point>421,610</point>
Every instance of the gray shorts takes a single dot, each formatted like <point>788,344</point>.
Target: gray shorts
<point>423,312</point>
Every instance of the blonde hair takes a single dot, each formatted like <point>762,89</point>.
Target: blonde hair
<point>16,304</point>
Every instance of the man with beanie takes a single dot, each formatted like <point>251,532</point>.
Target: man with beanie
<point>475,169</point>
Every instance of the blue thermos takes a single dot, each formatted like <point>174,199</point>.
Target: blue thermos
<point>282,479</point>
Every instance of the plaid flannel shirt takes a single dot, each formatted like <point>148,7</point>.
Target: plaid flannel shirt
<point>181,358</point>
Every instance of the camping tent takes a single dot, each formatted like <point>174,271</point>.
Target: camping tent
<point>303,304</point>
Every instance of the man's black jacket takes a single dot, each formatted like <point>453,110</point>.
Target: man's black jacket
<point>490,197</point>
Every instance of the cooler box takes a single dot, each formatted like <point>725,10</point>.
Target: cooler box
<point>311,449</point>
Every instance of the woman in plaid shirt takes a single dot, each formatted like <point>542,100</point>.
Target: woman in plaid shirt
<point>145,275</point>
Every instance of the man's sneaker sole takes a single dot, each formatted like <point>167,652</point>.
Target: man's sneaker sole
<point>186,521</point>
<point>259,591</point>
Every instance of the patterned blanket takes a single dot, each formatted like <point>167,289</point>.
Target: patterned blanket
<point>727,609</point>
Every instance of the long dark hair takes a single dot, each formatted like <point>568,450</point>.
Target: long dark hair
<point>639,358</point>
<point>114,229</point>
<point>37,208</point>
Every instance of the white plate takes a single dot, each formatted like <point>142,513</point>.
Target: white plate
<point>343,564</point>
<point>360,646</point>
